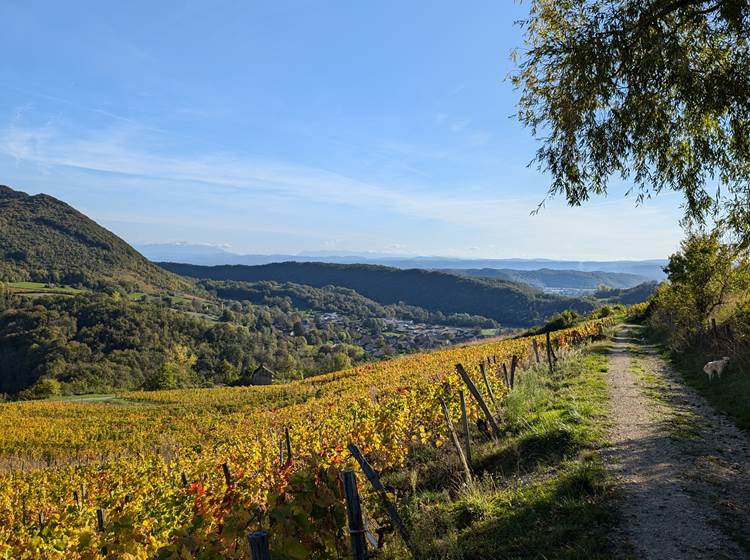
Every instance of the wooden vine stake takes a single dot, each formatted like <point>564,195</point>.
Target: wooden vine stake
<point>354,515</point>
<point>465,426</point>
<point>478,396</point>
<point>288,445</point>
<point>374,479</point>
<point>549,355</point>
<point>506,378</point>
<point>490,392</point>
<point>259,545</point>
<point>183,476</point>
<point>227,474</point>
<point>456,443</point>
<point>513,366</point>
<point>100,520</point>
<point>535,345</point>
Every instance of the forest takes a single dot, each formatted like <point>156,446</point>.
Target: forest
<point>510,304</point>
<point>101,342</point>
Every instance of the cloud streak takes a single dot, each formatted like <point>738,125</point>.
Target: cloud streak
<point>303,199</point>
<point>113,153</point>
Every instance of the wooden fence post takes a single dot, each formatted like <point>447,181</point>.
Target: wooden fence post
<point>288,445</point>
<point>456,443</point>
<point>465,425</point>
<point>549,354</point>
<point>487,384</point>
<point>380,489</point>
<point>506,378</point>
<point>513,366</point>
<point>354,514</point>
<point>478,396</point>
<point>259,545</point>
<point>227,474</point>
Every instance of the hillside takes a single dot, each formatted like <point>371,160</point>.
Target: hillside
<point>548,278</point>
<point>210,255</point>
<point>43,239</point>
<point>333,299</point>
<point>124,447</point>
<point>628,296</point>
<point>509,303</point>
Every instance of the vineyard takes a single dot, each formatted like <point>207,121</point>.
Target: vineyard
<point>189,473</point>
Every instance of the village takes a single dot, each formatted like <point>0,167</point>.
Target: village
<point>388,336</point>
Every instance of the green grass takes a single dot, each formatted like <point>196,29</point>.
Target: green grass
<point>173,300</point>
<point>38,288</point>
<point>93,398</point>
<point>541,491</point>
<point>729,394</point>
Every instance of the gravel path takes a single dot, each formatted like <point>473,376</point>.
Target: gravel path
<point>681,470</point>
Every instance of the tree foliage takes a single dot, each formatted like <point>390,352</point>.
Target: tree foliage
<point>705,276</point>
<point>97,343</point>
<point>508,303</point>
<point>653,92</point>
<point>42,239</point>
<point>289,296</point>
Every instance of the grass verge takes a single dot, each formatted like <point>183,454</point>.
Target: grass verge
<point>540,492</point>
<point>728,394</point>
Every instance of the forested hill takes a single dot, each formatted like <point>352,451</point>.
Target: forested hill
<point>558,279</point>
<point>43,239</point>
<point>509,303</point>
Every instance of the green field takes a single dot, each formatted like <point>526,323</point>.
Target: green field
<point>173,300</point>
<point>40,288</point>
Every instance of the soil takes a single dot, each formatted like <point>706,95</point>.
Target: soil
<point>682,471</point>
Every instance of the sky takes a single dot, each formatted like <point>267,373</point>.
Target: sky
<point>289,126</point>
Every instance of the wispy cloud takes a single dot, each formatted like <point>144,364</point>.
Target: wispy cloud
<point>320,205</point>
<point>112,152</point>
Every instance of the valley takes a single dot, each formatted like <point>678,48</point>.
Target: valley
<point>81,311</point>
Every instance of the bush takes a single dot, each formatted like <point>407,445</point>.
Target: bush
<point>562,320</point>
<point>44,388</point>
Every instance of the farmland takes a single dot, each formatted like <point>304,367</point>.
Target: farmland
<point>126,456</point>
<point>31,289</point>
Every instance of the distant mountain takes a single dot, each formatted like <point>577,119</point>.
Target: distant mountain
<point>185,252</point>
<point>43,239</point>
<point>628,296</point>
<point>547,278</point>
<point>211,255</point>
<point>509,303</point>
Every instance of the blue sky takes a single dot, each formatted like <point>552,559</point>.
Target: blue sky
<point>280,127</point>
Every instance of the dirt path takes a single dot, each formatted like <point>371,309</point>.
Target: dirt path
<point>682,471</point>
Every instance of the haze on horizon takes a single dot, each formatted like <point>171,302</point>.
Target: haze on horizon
<point>294,127</point>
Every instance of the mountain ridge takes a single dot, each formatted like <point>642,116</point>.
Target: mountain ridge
<point>43,239</point>
<point>509,303</point>
<point>213,255</point>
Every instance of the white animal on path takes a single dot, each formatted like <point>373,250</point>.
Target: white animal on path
<point>715,368</point>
